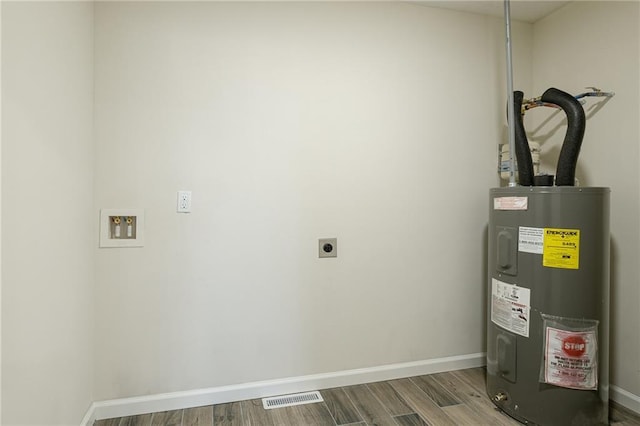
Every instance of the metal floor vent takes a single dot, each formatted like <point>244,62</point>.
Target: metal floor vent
<point>291,399</point>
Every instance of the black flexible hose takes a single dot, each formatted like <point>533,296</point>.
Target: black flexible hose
<point>566,169</point>
<point>523,153</point>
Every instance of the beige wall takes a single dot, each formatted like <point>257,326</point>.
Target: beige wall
<point>289,122</point>
<point>372,122</point>
<point>598,43</point>
<point>47,170</point>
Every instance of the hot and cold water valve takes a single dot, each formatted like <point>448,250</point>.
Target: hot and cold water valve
<point>121,228</point>
<point>118,223</point>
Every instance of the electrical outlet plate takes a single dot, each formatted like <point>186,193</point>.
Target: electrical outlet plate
<point>108,238</point>
<point>184,202</point>
<point>328,247</point>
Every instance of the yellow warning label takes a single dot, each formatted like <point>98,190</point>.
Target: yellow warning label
<point>561,248</point>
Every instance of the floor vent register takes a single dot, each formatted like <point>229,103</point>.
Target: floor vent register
<point>291,399</point>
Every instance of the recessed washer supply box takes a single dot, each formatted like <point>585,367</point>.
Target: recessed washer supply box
<point>122,228</point>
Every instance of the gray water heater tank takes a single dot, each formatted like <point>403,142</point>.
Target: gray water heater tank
<point>548,304</point>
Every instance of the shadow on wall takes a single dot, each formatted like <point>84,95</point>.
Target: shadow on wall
<point>484,268</point>
<point>535,135</point>
<point>614,267</point>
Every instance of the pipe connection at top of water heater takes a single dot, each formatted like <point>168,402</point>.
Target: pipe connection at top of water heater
<point>576,121</point>
<point>523,151</point>
<point>510,103</point>
<point>566,169</point>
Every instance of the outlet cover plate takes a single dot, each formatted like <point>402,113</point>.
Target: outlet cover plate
<point>328,247</point>
<point>106,237</point>
<point>184,202</point>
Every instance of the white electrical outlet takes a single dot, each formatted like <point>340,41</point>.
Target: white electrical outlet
<point>184,201</point>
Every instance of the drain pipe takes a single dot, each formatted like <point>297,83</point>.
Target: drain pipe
<point>510,106</point>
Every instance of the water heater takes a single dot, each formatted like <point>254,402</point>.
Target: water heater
<point>548,288</point>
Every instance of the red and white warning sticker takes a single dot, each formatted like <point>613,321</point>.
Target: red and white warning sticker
<point>570,359</point>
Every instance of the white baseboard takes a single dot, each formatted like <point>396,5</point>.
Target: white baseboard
<point>222,394</point>
<point>90,416</point>
<point>624,398</point>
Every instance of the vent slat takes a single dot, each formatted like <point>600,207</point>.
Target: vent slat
<point>292,399</point>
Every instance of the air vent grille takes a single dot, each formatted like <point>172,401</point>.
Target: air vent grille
<point>292,399</point>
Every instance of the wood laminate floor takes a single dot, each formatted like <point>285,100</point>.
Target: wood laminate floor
<point>454,398</point>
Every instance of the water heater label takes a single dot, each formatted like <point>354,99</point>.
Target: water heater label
<point>530,240</point>
<point>510,306</point>
<point>561,248</point>
<point>510,203</point>
<point>570,359</point>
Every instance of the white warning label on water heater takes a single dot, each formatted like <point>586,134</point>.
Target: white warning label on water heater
<point>531,240</point>
<point>510,203</point>
<point>510,307</point>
